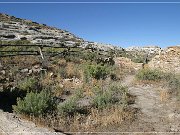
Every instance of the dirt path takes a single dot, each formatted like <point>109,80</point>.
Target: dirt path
<point>158,114</point>
<point>10,124</point>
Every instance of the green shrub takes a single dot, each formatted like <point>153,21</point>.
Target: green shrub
<point>97,71</point>
<point>68,107</point>
<point>73,58</point>
<point>103,100</point>
<point>151,75</point>
<point>138,59</point>
<point>114,94</point>
<point>115,73</point>
<point>79,93</point>
<point>28,84</point>
<point>172,80</point>
<point>35,103</point>
<point>91,56</point>
<point>119,93</point>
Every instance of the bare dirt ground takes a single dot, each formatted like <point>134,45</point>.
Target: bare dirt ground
<point>10,124</point>
<point>158,112</point>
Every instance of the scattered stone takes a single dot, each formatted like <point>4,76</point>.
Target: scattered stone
<point>68,80</point>
<point>25,70</point>
<point>36,70</point>
<point>171,115</point>
<point>3,72</point>
<point>36,66</point>
<point>30,71</point>
<point>61,85</point>
<point>10,74</point>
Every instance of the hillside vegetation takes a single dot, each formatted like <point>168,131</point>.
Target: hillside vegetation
<point>56,79</point>
<point>66,89</point>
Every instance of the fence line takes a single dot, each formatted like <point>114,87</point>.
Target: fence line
<point>67,50</point>
<point>39,52</point>
<point>36,45</point>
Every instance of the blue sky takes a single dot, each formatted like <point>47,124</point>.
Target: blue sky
<point>119,24</point>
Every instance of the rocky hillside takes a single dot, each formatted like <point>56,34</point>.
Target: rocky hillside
<point>12,28</point>
<point>15,29</point>
<point>167,60</point>
<point>139,54</point>
<point>149,50</point>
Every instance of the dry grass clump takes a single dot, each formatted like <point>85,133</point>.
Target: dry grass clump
<point>94,120</point>
<point>164,95</point>
<point>72,71</point>
<point>19,61</point>
<point>108,116</point>
<point>62,63</point>
<point>146,82</point>
<point>97,119</point>
<point>56,84</point>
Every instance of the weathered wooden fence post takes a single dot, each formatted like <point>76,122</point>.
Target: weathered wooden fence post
<point>40,51</point>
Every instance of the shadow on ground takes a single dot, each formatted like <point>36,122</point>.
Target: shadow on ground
<point>8,98</point>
